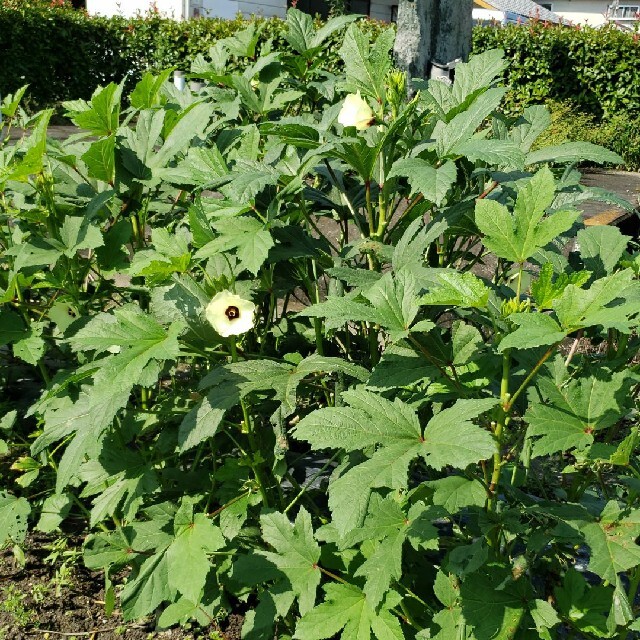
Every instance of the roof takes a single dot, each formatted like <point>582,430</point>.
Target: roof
<point>524,8</point>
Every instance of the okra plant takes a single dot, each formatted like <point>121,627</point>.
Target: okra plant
<point>299,346</point>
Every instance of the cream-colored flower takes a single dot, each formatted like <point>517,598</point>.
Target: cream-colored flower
<point>356,112</point>
<point>229,314</point>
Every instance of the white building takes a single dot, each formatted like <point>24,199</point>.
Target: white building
<point>591,12</point>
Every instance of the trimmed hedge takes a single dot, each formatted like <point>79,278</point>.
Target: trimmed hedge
<point>63,54</point>
<point>596,69</point>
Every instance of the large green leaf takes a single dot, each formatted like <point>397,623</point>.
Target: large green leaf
<point>573,152</point>
<point>346,609</point>
<point>533,330</point>
<point>296,554</point>
<point>570,414</point>
<point>144,592</point>
<point>367,66</point>
<point>448,135</point>
<point>102,116</point>
<point>601,248</point>
<point>612,541</point>
<point>187,556</point>
<point>392,305</point>
<point>432,182</point>
<point>449,287</point>
<point>451,439</point>
<point>517,236</point>
<point>612,302</point>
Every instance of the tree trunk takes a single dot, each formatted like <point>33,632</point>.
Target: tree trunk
<point>432,32</point>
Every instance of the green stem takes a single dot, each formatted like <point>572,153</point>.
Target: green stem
<point>499,429</point>
<point>257,471</point>
<point>530,377</point>
<point>370,218</point>
<point>310,482</point>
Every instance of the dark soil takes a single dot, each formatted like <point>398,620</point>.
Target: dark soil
<point>64,600</point>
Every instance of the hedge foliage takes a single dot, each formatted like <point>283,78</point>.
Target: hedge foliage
<point>596,69</point>
<point>63,53</point>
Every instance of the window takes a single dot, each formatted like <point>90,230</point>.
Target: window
<point>546,5</point>
<point>360,6</point>
<point>394,13</point>
<point>79,4</point>
<point>320,7</point>
<point>626,12</point>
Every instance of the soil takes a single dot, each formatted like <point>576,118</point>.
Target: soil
<point>64,600</point>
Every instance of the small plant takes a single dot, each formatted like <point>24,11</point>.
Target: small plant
<point>12,602</point>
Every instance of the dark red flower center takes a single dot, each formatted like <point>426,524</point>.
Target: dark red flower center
<point>232,313</point>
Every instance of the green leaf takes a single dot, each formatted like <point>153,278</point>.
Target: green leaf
<point>612,541</point>
<point>13,518</point>
<point>78,233</point>
<point>493,604</point>
<point>349,494</point>
<point>533,330</point>
<point>411,248</point>
<point>545,289</point>
<point>535,120</point>
<point>366,66</point>
<point>501,153</point>
<point>146,93</point>
<point>612,302</point>
<point>455,493</point>
<point>449,287</point>
<point>191,124</point>
<point>448,135</point>
<point>128,326</point>
<point>346,608</point>
<point>544,615</point>
<point>146,591</point>
<point>388,524</point>
<point>102,117</point>
<point>601,248</point>
<point>572,413</point>
<point>393,305</point>
<point>296,553</point>
<point>451,439</point>
<point>187,560</point>
<point>31,347</point>
<point>139,342</point>
<point>54,510</point>
<point>432,182</point>
<point>516,237</point>
<point>573,152</point>
<point>100,159</point>
<point>370,419</point>
<point>11,327</point>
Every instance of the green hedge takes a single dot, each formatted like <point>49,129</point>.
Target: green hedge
<point>63,54</point>
<point>596,69</point>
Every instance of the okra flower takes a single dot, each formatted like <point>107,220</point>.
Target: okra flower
<point>356,112</point>
<point>229,314</point>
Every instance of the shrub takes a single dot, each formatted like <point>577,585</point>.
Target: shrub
<point>596,69</point>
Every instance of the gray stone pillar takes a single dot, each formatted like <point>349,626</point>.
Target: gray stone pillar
<point>432,32</point>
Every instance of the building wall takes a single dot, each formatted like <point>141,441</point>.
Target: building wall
<point>229,8</point>
<point>130,8</point>
<point>381,9</point>
<point>591,12</point>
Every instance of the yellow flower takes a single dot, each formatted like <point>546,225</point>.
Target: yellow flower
<point>229,314</point>
<point>356,112</point>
